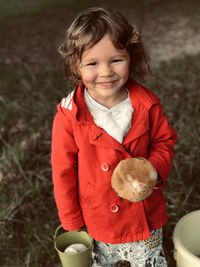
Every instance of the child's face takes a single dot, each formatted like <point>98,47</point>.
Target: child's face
<point>104,70</point>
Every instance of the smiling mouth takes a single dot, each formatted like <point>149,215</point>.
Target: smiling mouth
<point>106,84</point>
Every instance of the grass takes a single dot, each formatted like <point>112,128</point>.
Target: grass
<point>28,7</point>
<point>28,216</point>
<point>177,85</point>
<point>27,213</point>
<point>24,8</point>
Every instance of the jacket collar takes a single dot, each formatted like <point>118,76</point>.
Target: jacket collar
<point>77,110</point>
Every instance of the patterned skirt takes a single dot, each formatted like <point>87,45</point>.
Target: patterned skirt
<point>144,253</point>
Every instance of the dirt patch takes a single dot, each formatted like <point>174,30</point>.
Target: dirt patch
<point>32,42</point>
<point>172,38</point>
<point>169,30</point>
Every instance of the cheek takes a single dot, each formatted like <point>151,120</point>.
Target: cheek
<point>127,69</point>
<point>124,70</point>
<point>88,77</point>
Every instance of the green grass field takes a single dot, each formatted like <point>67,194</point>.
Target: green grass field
<point>27,7</point>
<point>28,216</point>
<point>28,100</point>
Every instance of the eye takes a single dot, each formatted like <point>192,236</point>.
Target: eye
<point>91,64</point>
<point>117,60</point>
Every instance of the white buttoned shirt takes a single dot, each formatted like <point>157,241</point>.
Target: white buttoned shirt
<point>116,121</point>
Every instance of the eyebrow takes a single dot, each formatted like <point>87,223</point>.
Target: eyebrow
<point>113,57</point>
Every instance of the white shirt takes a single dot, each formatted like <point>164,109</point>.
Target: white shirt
<point>116,121</point>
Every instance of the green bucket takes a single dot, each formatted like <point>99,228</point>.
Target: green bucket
<point>63,240</point>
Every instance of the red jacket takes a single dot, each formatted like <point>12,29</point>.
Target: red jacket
<point>84,157</point>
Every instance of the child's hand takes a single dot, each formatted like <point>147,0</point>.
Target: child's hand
<point>79,229</point>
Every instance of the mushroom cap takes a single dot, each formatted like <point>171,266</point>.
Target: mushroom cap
<point>134,179</point>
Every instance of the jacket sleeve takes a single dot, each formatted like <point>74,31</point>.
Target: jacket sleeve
<point>162,140</point>
<point>64,172</point>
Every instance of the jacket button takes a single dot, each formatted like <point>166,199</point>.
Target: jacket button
<point>105,167</point>
<point>114,208</point>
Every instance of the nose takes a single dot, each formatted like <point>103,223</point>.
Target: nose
<point>106,70</point>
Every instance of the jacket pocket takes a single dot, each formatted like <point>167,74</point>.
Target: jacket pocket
<point>92,198</point>
<point>86,195</point>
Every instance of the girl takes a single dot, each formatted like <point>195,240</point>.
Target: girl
<point>109,117</point>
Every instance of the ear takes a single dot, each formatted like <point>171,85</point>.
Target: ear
<point>78,66</point>
<point>77,70</point>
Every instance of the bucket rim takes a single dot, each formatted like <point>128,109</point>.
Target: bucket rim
<point>177,241</point>
<point>66,232</point>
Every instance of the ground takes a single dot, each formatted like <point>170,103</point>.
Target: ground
<point>170,31</point>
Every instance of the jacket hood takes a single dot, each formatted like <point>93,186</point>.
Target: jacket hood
<point>74,107</point>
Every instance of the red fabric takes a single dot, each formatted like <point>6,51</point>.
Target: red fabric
<point>80,152</point>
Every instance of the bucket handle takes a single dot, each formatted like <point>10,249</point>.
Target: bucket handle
<point>57,231</point>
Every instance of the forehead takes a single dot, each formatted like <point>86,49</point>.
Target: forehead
<point>104,48</point>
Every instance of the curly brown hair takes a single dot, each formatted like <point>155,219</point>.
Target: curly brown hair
<point>89,28</point>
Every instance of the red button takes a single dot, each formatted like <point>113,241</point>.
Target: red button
<point>114,208</point>
<point>105,167</point>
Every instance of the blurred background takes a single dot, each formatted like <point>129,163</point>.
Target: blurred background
<point>32,82</point>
